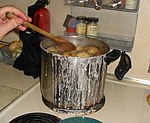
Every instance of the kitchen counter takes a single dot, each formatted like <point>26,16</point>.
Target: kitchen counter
<point>13,84</point>
<point>15,78</point>
<point>125,103</point>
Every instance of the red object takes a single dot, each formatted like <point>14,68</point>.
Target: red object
<point>42,19</point>
<point>69,29</point>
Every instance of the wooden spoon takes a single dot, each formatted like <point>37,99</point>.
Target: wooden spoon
<point>61,43</point>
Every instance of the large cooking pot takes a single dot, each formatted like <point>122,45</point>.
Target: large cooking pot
<point>72,84</point>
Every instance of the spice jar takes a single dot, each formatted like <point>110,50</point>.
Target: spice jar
<point>81,25</point>
<point>92,26</point>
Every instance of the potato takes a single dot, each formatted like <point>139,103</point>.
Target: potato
<point>82,54</point>
<point>21,44</point>
<point>71,53</point>
<point>79,48</point>
<point>66,54</point>
<point>15,45</point>
<point>86,47</point>
<point>52,49</point>
<point>81,51</point>
<point>93,50</point>
<point>148,99</point>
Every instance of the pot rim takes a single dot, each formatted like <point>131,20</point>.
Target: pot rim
<point>73,57</point>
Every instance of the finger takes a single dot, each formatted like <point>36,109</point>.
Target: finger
<point>17,12</point>
<point>13,23</point>
<point>21,14</point>
<point>22,28</point>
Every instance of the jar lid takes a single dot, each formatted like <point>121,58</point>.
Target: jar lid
<point>92,19</point>
<point>81,18</point>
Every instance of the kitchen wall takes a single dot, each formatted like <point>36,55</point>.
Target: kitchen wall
<point>141,51</point>
<point>140,54</point>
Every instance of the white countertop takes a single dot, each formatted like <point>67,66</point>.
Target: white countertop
<point>14,78</point>
<point>125,103</point>
<point>13,83</point>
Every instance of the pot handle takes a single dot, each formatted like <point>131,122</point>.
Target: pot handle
<point>112,56</point>
<point>123,66</point>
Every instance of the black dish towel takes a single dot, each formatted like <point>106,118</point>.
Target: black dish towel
<point>123,66</point>
<point>29,59</point>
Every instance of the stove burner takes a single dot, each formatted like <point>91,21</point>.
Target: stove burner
<point>36,118</point>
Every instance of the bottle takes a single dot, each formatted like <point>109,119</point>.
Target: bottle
<point>42,19</point>
<point>131,4</point>
<point>81,25</point>
<point>40,15</point>
<point>92,26</point>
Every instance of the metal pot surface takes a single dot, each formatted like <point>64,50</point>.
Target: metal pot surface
<point>72,84</point>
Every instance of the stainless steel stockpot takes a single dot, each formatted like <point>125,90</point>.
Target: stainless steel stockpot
<point>72,84</point>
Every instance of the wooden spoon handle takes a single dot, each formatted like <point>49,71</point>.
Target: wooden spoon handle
<point>33,27</point>
<point>61,43</point>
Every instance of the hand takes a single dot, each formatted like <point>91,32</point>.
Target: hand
<point>7,25</point>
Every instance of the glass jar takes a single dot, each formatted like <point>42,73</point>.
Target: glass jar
<point>92,26</point>
<point>131,4</point>
<point>81,25</point>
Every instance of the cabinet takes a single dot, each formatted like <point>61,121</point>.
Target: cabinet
<point>119,5</point>
<point>117,26</point>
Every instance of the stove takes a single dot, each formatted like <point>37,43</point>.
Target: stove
<point>124,102</point>
<point>88,110</point>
